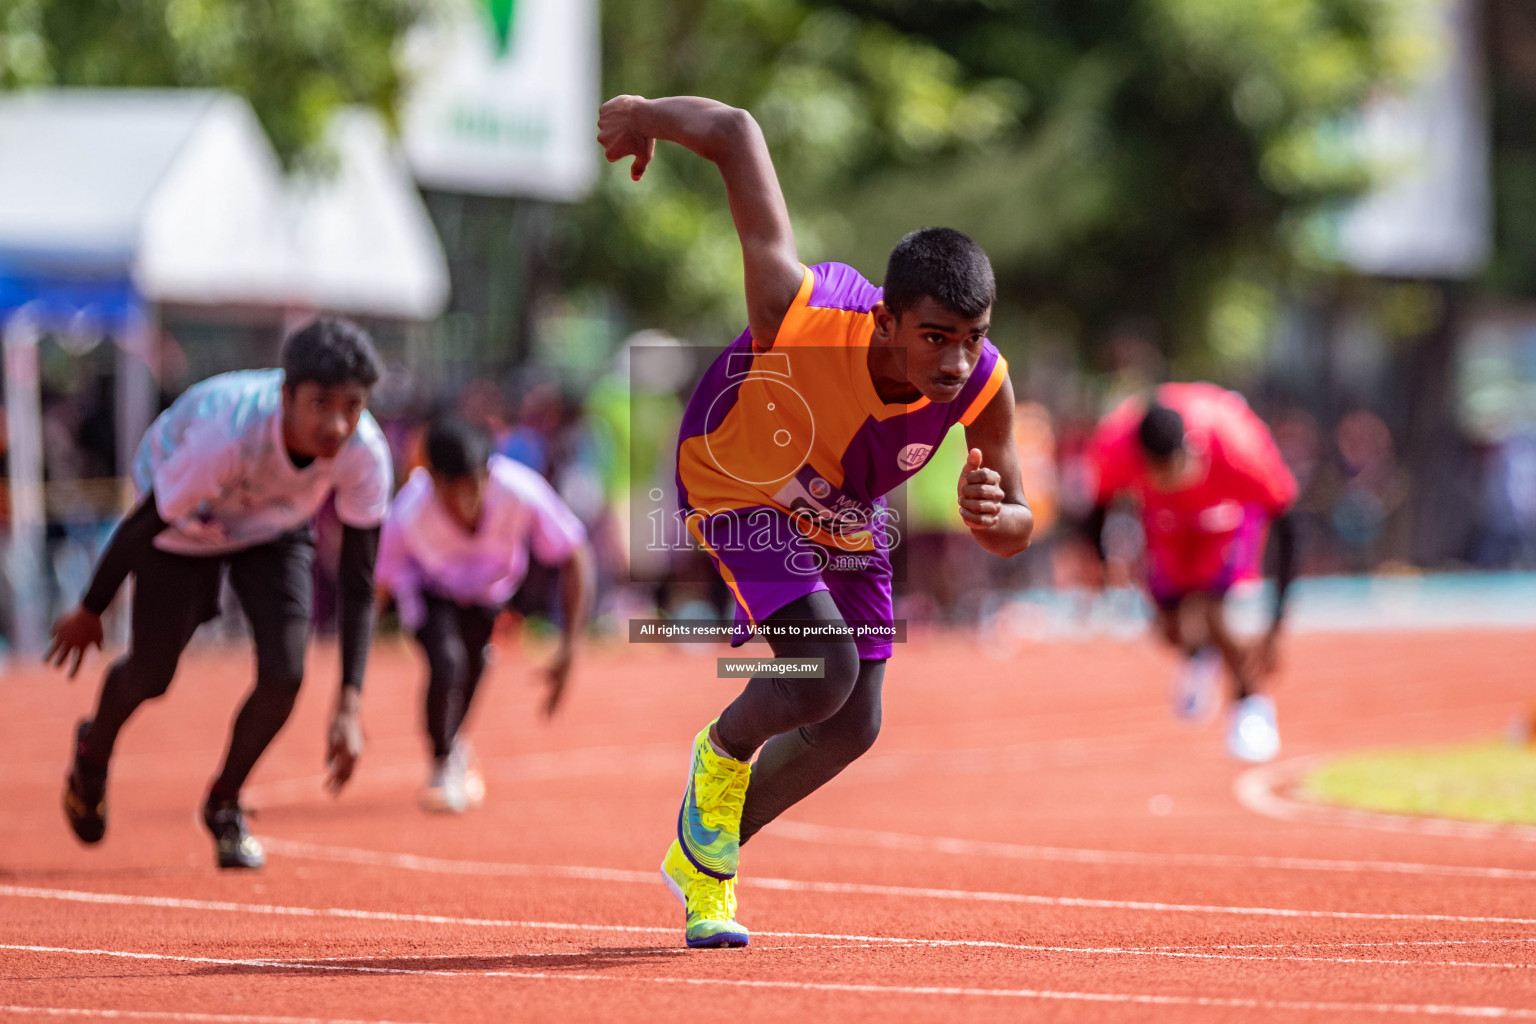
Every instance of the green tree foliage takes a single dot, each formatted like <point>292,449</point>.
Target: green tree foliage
<point>295,60</point>
<point>1149,159</point>
<point>1512,32</point>
<point>839,98</point>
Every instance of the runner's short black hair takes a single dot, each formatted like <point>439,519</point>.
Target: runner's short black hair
<point>330,352</point>
<point>1161,432</point>
<point>456,448</point>
<point>944,265</point>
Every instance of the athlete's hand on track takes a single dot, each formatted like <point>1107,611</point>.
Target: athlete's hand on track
<point>75,633</point>
<point>981,493</point>
<point>344,745</point>
<point>620,136</point>
<point>555,678</point>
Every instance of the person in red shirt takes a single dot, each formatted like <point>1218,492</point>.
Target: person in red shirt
<point>1210,483</point>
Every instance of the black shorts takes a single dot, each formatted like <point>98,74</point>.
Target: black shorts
<point>174,594</point>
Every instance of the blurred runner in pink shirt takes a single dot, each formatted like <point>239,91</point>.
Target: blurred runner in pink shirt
<point>455,549</point>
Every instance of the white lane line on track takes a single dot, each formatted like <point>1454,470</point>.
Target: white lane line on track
<point>1069,752</point>
<point>1314,944</point>
<point>1259,790</point>
<point>209,1018</point>
<point>1172,952</point>
<point>826,834</point>
<point>412,862</point>
<point>223,906</point>
<point>1219,1002</point>
<point>661,759</point>
<point>166,902</point>
<point>588,762</point>
<point>647,951</point>
<point>444,866</point>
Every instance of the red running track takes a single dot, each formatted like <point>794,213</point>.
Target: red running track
<point>1033,838</point>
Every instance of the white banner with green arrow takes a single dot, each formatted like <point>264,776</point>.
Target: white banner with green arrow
<point>503,97</point>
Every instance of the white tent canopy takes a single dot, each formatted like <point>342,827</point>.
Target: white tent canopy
<point>114,199</point>
<point>182,189</point>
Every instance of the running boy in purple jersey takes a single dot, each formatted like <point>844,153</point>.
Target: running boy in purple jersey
<point>229,478</point>
<point>836,393</point>
<point>455,548</point>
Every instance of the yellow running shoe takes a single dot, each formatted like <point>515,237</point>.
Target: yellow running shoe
<point>710,902</point>
<point>709,821</point>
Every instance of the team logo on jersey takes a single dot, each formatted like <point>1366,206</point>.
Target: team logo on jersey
<point>819,488</point>
<point>913,456</point>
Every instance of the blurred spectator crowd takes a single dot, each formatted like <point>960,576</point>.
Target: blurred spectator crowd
<point>607,444</point>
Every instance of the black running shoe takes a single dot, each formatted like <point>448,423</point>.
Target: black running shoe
<point>85,793</point>
<point>236,847</point>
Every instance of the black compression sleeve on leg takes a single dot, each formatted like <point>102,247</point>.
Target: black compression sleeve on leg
<point>279,673</point>
<point>1093,529</point>
<point>359,552</point>
<point>274,583</point>
<point>133,536</point>
<point>1283,533</point>
<point>446,665</point>
<point>120,697</point>
<point>173,595</point>
<point>769,706</point>
<point>476,624</point>
<point>795,764</point>
<point>454,638</point>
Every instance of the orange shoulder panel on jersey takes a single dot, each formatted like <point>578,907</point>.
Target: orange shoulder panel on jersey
<point>798,390</point>
<point>805,325</point>
<point>993,386</point>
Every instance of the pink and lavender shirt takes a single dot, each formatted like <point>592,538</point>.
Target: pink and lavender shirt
<point>424,550</point>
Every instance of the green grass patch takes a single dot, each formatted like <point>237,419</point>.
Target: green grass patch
<point>1494,782</point>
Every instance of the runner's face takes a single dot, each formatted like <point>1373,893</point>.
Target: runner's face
<point>318,421</point>
<point>462,497</point>
<point>942,347</point>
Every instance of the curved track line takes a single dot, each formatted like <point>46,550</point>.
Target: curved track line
<point>1220,1002</point>
<point>1259,790</point>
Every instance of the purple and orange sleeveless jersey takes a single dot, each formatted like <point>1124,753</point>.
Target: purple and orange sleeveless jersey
<point>798,434</point>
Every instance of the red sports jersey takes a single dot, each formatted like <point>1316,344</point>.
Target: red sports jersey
<point>1192,532</point>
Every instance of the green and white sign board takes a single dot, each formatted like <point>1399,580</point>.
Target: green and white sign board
<point>503,98</point>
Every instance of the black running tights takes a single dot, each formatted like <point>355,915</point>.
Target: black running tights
<point>454,638</point>
<point>808,729</point>
<point>173,595</point>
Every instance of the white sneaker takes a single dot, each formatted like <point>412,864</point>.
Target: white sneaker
<point>1252,734</point>
<point>469,772</point>
<point>444,792</point>
<point>1521,730</point>
<point>1196,686</point>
